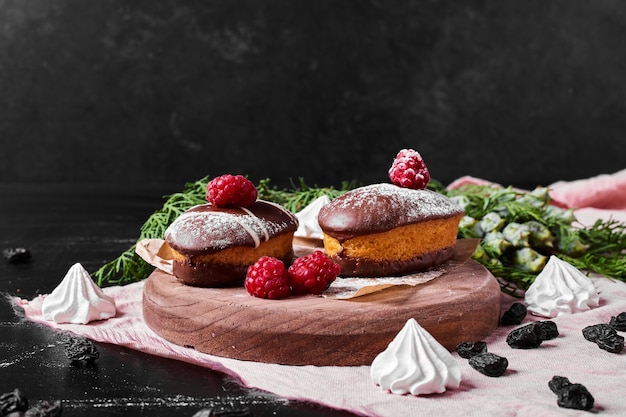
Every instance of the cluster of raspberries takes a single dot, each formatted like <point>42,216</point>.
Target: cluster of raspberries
<point>310,274</point>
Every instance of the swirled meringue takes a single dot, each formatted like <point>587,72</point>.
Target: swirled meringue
<point>415,363</point>
<point>77,299</point>
<point>560,289</point>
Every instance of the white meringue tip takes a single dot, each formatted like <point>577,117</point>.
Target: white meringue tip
<point>77,299</point>
<point>559,289</point>
<point>415,363</point>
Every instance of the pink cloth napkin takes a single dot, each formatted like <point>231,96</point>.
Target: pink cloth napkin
<point>602,192</point>
<point>522,391</point>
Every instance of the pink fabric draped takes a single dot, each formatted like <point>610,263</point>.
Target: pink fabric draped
<point>522,391</point>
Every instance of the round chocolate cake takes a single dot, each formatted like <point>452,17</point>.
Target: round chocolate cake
<point>384,229</point>
<point>214,246</point>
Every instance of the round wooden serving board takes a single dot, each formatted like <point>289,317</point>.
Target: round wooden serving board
<point>461,305</point>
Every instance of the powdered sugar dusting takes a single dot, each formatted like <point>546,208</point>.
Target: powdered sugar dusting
<point>417,203</point>
<point>201,229</point>
<point>383,206</point>
<point>266,235</point>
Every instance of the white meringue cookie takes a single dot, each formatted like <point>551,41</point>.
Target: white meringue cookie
<point>415,363</point>
<point>77,299</point>
<point>560,289</point>
<point>307,217</point>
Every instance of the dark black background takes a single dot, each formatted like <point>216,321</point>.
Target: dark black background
<point>518,92</point>
<point>138,97</point>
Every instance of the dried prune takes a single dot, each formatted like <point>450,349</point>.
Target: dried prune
<point>557,383</point>
<point>525,337</point>
<point>619,322</point>
<point>45,409</point>
<point>613,343</point>
<point>489,364</point>
<point>80,350</point>
<point>546,330</point>
<point>12,402</point>
<point>605,337</point>
<point>514,315</point>
<point>224,412</point>
<point>570,395</point>
<point>16,255</point>
<point>597,331</point>
<point>468,349</point>
<point>575,396</point>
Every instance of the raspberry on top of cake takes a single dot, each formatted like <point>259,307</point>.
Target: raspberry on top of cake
<point>384,229</point>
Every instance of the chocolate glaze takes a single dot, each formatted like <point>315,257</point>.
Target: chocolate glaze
<point>211,274</point>
<point>381,207</point>
<point>206,229</point>
<point>368,268</point>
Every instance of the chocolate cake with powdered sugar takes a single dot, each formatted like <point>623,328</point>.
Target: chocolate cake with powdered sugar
<point>214,246</point>
<point>384,229</point>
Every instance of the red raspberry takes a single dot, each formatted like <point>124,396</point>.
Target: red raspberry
<point>409,170</point>
<point>231,190</point>
<point>268,278</point>
<point>312,274</point>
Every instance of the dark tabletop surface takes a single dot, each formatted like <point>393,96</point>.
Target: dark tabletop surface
<point>64,224</point>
